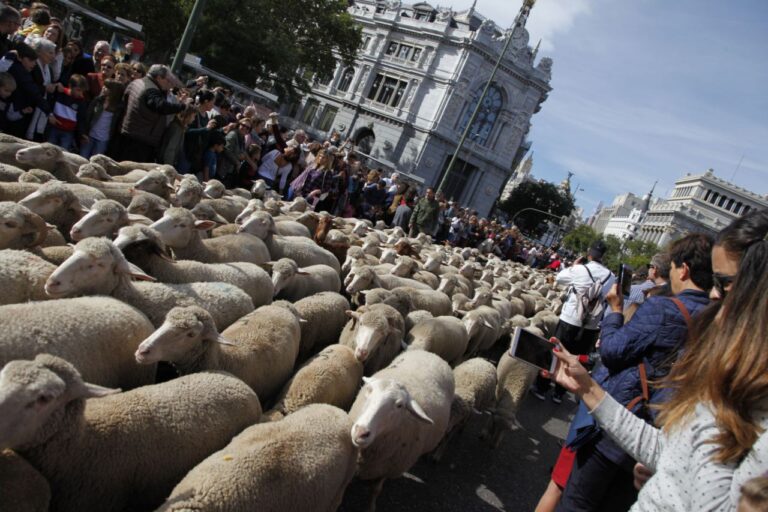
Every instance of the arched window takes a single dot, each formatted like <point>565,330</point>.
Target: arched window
<point>346,79</point>
<point>486,116</point>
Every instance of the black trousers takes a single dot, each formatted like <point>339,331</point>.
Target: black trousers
<point>597,485</point>
<point>136,150</point>
<point>577,341</point>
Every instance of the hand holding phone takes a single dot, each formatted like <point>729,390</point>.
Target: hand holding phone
<point>533,350</point>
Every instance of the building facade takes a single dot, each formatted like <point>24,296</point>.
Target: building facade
<point>412,90</point>
<point>521,174</point>
<point>698,203</point>
<point>622,206</point>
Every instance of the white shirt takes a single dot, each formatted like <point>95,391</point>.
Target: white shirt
<point>578,277</point>
<point>268,168</point>
<point>685,477</point>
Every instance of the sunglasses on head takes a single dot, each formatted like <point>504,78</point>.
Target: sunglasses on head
<point>721,282</point>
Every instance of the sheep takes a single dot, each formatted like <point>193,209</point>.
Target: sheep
<point>433,301</point>
<point>445,336</point>
<point>23,276</point>
<point>155,182</point>
<point>214,189</point>
<point>546,321</point>
<point>324,316</point>
<point>365,278</point>
<point>97,334</point>
<point>401,301</point>
<point>451,285</point>
<point>204,211</point>
<point>98,172</point>
<point>36,176</point>
<point>148,205</point>
<point>10,173</point>
<point>514,377</point>
<point>20,228</point>
<point>408,267</point>
<point>104,218</point>
<point>22,487</point>
<point>401,413</point>
<point>303,462</point>
<point>260,348</point>
<point>331,377</point>
<point>476,383</point>
<point>459,303</point>
<point>376,334</point>
<point>190,192</point>
<point>413,318</point>
<point>356,257</point>
<point>97,267</point>
<point>56,204</point>
<point>141,245</point>
<point>17,191</point>
<point>115,168</point>
<point>49,157</point>
<point>302,251</point>
<point>259,189</point>
<point>484,327</point>
<point>104,450</point>
<point>178,229</point>
<point>293,283</point>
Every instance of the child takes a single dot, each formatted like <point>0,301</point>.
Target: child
<point>754,495</point>
<point>7,86</point>
<point>216,143</point>
<point>100,123</point>
<point>70,103</point>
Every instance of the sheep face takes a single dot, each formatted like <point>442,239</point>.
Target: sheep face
<point>447,285</point>
<point>360,228</point>
<point>147,205</point>
<point>104,219</point>
<point>387,404</point>
<point>405,267</point>
<point>31,392</point>
<point>19,227</point>
<point>259,188</point>
<point>177,227</point>
<point>48,200</point>
<point>93,171</point>
<point>433,263</point>
<point>298,205</point>
<point>283,271</point>
<point>42,155</point>
<point>183,336</point>
<point>214,189</point>
<point>154,182</point>
<point>481,298</point>
<point>388,256</point>
<point>259,224</point>
<point>361,280</point>
<point>204,211</point>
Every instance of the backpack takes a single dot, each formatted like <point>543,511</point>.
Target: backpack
<point>590,305</point>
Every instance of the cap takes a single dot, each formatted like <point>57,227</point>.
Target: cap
<point>597,250</point>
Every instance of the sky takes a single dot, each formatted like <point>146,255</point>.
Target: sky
<point>647,90</point>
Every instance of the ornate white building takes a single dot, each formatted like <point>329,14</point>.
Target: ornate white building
<point>521,175</point>
<point>622,206</point>
<point>416,81</point>
<point>698,203</point>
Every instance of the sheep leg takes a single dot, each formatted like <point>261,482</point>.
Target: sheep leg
<point>438,452</point>
<point>376,488</point>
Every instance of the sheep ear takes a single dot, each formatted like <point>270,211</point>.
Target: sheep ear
<point>204,225</point>
<point>169,187</point>
<point>487,324</point>
<point>224,341</point>
<point>220,220</point>
<point>460,313</point>
<point>413,407</point>
<point>302,273</point>
<point>403,345</point>
<point>367,380</point>
<point>128,268</point>
<point>137,219</point>
<point>84,209</point>
<point>206,196</point>
<point>352,314</point>
<point>88,390</point>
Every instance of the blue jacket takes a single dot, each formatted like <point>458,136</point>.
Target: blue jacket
<point>654,335</point>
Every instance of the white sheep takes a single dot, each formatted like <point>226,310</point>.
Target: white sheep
<point>435,302</point>
<point>97,334</point>
<point>10,173</point>
<point>413,318</point>
<point>23,276</point>
<point>56,204</point>
<point>408,267</point>
<point>301,463</point>
<point>301,250</point>
<point>141,245</point>
<point>401,413</point>
<point>102,450</point>
<point>98,172</point>
<point>484,327</point>
<point>475,393</point>
<point>22,487</point>
<point>148,205</point>
<point>324,316</point>
<point>104,218</point>
<point>97,267</point>
<point>49,157</point>
<point>179,230</point>
<point>260,348</point>
<point>293,283</point>
<point>366,278</point>
<point>376,334</point>
<point>331,377</point>
<point>20,228</point>
<point>204,211</point>
<point>444,336</point>
<point>36,176</point>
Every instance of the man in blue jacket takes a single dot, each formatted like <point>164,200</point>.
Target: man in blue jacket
<point>601,478</point>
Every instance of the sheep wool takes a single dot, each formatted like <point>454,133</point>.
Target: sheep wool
<point>324,316</point>
<point>23,276</point>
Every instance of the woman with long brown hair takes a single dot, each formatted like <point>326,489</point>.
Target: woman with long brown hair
<point>713,427</point>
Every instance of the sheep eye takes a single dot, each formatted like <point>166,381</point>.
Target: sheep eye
<point>190,334</point>
<point>399,405</point>
<point>11,225</point>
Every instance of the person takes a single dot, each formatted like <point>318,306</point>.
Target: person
<point>96,80</point>
<point>576,330</point>
<point>658,275</point>
<point>39,20</point>
<point>10,21</point>
<point>754,495</point>
<point>69,105</point>
<point>172,144</point>
<point>7,86</point>
<point>319,179</point>
<point>41,74</point>
<point>402,214</point>
<point>713,435</point>
<point>123,73</point>
<point>216,142</point>
<point>145,114</point>
<point>139,70</point>
<point>425,215</point>
<point>274,166</point>
<point>234,153</point>
<point>100,123</point>
<point>633,354</point>
<point>55,34</point>
<point>27,94</point>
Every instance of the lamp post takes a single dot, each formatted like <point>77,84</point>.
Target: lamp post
<point>186,38</point>
<point>522,16</point>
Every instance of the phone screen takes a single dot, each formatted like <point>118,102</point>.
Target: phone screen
<point>625,279</point>
<point>532,349</point>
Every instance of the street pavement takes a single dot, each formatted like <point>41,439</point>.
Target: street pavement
<point>473,478</point>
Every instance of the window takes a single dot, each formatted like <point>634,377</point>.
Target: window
<point>346,79</point>
<point>404,51</point>
<point>327,118</point>
<point>392,48</point>
<point>416,54</point>
<point>746,210</point>
<point>458,179</point>
<point>387,90</point>
<point>310,110</point>
<point>486,116</point>
<point>706,197</point>
<point>729,206</point>
<point>323,79</point>
<point>366,42</point>
<point>738,208</point>
<point>722,201</point>
<point>714,197</point>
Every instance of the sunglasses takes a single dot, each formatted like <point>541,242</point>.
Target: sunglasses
<point>721,282</point>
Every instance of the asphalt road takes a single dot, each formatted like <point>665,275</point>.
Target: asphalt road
<point>473,478</point>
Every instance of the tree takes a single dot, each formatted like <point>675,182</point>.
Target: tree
<point>278,45</point>
<point>540,195</point>
<point>580,239</point>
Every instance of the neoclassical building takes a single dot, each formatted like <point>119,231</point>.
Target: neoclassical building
<point>698,203</point>
<point>411,92</point>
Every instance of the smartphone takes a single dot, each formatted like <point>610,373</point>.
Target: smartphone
<point>624,279</point>
<point>533,350</point>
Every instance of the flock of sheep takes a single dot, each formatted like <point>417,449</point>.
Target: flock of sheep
<point>308,349</point>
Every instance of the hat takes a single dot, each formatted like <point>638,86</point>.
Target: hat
<point>597,249</point>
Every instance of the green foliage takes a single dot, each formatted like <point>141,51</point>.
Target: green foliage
<point>540,195</point>
<point>257,42</point>
<point>580,238</point>
<point>634,253</point>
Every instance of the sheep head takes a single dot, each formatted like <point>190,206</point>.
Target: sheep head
<point>177,227</point>
<point>204,211</point>
<point>51,200</point>
<point>386,405</point>
<point>20,228</point>
<point>363,278</point>
<point>283,271</point>
<point>45,156</point>
<point>93,171</point>
<point>260,224</point>
<point>183,337</point>
<point>155,182</point>
<point>104,218</point>
<point>148,205</point>
<point>34,393</point>
<point>214,189</point>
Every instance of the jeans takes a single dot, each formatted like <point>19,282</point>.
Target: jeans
<point>61,138</point>
<point>93,147</point>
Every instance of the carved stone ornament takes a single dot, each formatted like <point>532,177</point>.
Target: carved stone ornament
<point>444,14</point>
<point>545,66</point>
<point>488,26</point>
<point>394,4</point>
